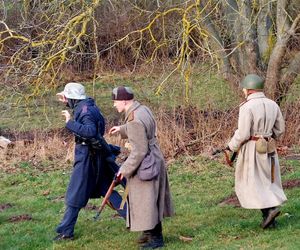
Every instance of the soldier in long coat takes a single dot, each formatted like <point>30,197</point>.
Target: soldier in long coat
<point>91,175</point>
<point>149,201</point>
<point>257,174</point>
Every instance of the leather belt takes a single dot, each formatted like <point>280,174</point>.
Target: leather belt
<point>255,138</point>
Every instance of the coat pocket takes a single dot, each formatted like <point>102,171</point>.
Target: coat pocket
<point>148,169</point>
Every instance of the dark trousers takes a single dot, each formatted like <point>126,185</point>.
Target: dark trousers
<point>67,225</point>
<point>116,199</point>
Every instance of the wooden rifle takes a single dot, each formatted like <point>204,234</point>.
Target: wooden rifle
<point>114,183</point>
<point>229,160</point>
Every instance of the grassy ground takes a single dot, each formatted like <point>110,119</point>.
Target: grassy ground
<point>198,185</point>
<point>206,92</point>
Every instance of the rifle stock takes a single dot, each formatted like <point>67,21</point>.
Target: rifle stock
<point>230,160</point>
<point>115,181</point>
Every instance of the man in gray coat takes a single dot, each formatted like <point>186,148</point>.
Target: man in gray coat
<point>149,200</point>
<point>257,174</point>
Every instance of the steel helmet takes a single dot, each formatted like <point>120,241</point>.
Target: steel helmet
<point>74,90</point>
<point>252,81</point>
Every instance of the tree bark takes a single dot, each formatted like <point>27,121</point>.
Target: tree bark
<point>289,76</point>
<point>234,33</point>
<point>264,31</point>
<point>217,44</point>
<point>249,50</point>
<point>284,32</point>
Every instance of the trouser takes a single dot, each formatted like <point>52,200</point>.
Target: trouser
<point>68,222</point>
<point>67,225</point>
<point>116,199</point>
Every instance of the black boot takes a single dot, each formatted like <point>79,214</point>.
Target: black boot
<point>269,217</point>
<point>156,238</point>
<point>155,242</point>
<point>144,238</point>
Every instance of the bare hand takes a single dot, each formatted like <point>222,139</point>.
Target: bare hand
<point>66,114</point>
<point>120,176</point>
<point>114,130</point>
<point>62,98</point>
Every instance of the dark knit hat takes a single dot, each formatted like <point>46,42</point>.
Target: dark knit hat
<point>122,93</point>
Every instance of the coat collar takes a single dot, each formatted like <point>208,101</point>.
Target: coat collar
<point>129,112</point>
<point>256,95</point>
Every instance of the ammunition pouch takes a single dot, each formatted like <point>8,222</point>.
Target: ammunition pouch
<point>264,145</point>
<point>271,145</point>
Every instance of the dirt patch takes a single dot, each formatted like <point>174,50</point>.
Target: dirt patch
<point>288,184</point>
<point>91,207</point>
<point>58,198</point>
<point>19,218</point>
<point>5,206</point>
<point>232,200</point>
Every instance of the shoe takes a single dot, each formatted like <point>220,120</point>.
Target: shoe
<point>155,242</point>
<point>60,237</point>
<point>273,213</point>
<point>144,238</point>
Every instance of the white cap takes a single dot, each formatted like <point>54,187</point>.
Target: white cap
<point>74,90</point>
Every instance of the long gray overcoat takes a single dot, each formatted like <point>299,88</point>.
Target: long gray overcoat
<point>253,186</point>
<point>149,201</point>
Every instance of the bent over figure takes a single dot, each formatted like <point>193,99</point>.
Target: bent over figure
<point>257,174</point>
<point>149,199</point>
<point>91,175</point>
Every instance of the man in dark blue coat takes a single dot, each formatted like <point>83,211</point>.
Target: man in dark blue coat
<point>91,174</point>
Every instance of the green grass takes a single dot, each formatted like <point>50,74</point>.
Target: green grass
<point>197,185</point>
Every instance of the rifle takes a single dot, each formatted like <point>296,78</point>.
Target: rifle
<point>228,160</point>
<point>115,182</point>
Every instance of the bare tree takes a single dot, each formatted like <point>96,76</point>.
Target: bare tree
<point>239,37</point>
<point>233,37</point>
<point>43,40</point>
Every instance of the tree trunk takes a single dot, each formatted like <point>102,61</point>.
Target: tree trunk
<point>217,44</point>
<point>264,32</point>
<point>289,76</point>
<point>249,52</point>
<point>273,83</point>
<point>234,31</point>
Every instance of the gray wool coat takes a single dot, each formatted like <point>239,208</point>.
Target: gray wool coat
<point>253,186</point>
<point>149,201</point>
